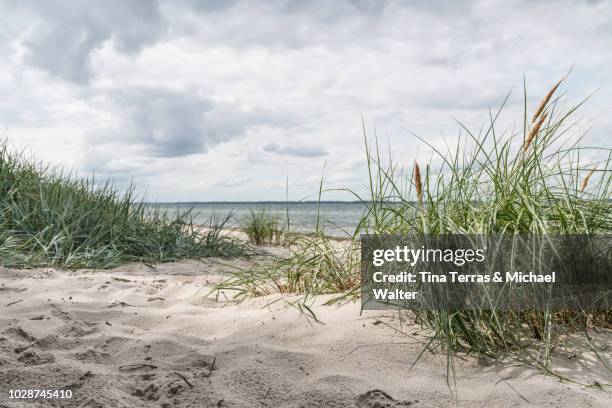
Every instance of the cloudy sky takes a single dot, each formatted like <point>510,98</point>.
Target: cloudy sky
<point>222,100</point>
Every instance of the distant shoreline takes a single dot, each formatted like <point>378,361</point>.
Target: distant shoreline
<point>254,202</point>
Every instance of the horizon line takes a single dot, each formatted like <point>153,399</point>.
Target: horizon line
<point>257,202</point>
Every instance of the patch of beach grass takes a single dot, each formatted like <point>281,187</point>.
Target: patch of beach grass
<point>51,218</point>
<point>531,180</point>
<point>263,227</point>
<point>314,265</point>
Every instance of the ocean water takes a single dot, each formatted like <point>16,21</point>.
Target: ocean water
<point>336,218</point>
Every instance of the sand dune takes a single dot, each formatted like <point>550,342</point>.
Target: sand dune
<point>138,336</point>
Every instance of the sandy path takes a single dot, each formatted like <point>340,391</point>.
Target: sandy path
<point>136,336</point>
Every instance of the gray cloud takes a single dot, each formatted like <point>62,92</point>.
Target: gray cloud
<point>171,123</point>
<point>228,121</point>
<point>66,33</point>
<point>326,11</point>
<point>168,123</point>
<point>298,151</point>
<point>208,6</point>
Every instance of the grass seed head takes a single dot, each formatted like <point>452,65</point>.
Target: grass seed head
<point>585,182</point>
<point>546,100</point>
<point>418,183</point>
<point>534,131</point>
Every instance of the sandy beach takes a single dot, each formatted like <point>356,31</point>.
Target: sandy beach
<point>140,336</point>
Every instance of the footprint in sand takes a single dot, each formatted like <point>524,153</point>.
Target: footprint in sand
<point>79,382</point>
<point>30,357</point>
<point>150,393</point>
<point>23,350</point>
<point>18,333</point>
<point>379,399</point>
<point>59,313</point>
<point>93,356</point>
<point>81,329</point>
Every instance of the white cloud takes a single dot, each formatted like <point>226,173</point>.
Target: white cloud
<point>222,100</point>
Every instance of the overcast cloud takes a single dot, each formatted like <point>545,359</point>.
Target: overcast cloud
<point>222,100</point>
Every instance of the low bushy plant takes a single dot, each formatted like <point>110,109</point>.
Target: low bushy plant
<point>262,227</point>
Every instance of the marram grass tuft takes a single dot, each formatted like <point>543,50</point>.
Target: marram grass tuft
<point>49,218</point>
<point>530,181</point>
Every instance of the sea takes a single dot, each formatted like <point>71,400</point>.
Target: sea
<point>335,218</point>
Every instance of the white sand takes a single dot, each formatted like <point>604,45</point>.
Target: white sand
<point>136,336</point>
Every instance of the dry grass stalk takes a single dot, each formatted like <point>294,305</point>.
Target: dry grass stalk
<point>534,131</point>
<point>585,182</point>
<point>546,100</point>
<point>418,183</point>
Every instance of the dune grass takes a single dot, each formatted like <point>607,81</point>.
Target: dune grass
<point>50,218</point>
<point>314,265</point>
<point>262,227</point>
<point>533,180</point>
<point>528,180</point>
